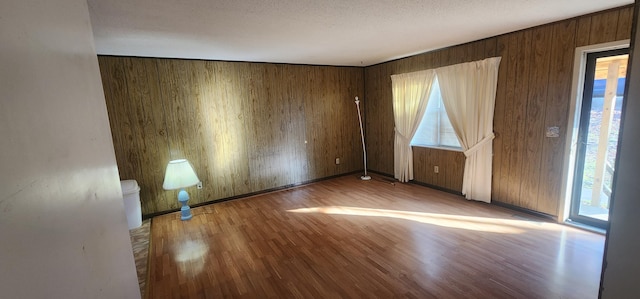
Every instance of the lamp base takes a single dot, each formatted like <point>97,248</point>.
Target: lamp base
<point>185,210</point>
<point>185,213</point>
<point>365,177</point>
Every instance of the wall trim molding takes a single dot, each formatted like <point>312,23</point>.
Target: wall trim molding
<point>261,192</point>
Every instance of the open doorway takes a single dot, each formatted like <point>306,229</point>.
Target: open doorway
<point>597,124</point>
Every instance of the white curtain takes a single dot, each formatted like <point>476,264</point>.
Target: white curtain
<point>410,97</point>
<point>469,94</point>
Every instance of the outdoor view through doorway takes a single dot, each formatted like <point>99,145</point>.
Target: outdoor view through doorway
<point>598,131</point>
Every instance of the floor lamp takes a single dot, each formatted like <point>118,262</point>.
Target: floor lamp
<point>365,177</point>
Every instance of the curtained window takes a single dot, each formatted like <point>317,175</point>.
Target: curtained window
<point>468,93</point>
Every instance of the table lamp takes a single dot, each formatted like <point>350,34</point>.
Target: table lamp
<point>180,175</point>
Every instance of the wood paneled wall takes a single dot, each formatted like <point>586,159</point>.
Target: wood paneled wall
<point>245,127</point>
<point>533,92</point>
<point>450,168</point>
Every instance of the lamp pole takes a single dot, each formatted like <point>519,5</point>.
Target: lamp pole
<point>365,177</point>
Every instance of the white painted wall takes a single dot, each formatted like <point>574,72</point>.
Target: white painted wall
<point>63,231</point>
<point>622,253</point>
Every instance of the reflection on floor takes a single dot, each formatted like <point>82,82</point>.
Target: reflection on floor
<point>140,244</point>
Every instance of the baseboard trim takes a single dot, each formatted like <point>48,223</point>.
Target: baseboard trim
<point>419,183</point>
<point>436,187</point>
<point>585,227</point>
<point>497,203</point>
<point>524,210</point>
<point>147,216</point>
<point>381,173</point>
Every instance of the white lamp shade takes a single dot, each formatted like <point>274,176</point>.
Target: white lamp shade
<point>179,175</point>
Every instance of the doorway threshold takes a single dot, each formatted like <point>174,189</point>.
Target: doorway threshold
<point>586,227</point>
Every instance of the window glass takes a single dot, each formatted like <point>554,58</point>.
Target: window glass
<point>435,129</point>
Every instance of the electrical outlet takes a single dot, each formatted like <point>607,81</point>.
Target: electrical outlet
<point>199,185</point>
<point>337,161</point>
<point>436,169</point>
<point>553,132</point>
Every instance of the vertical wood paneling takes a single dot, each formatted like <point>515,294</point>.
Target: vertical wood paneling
<point>449,164</point>
<point>521,46</point>
<point>583,31</point>
<point>268,114</point>
<point>222,146</point>
<point>557,110</point>
<point>296,128</point>
<point>499,163</point>
<point>455,170</point>
<point>113,75</point>
<point>173,88</point>
<point>135,112</point>
<point>534,85</point>
<point>534,131</point>
<point>379,118</point>
<point>491,48</point>
<point>151,125</point>
<point>243,126</point>
<point>603,27</point>
<point>625,21</point>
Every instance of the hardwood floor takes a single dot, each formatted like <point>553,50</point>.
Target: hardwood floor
<point>347,238</point>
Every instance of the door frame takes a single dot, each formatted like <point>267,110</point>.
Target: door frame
<point>574,212</point>
<point>573,121</point>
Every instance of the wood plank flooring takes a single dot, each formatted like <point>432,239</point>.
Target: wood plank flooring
<point>347,238</point>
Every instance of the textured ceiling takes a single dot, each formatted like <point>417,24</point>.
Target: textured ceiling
<point>322,32</point>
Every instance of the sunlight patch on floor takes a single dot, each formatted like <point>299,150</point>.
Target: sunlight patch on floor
<point>494,225</point>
